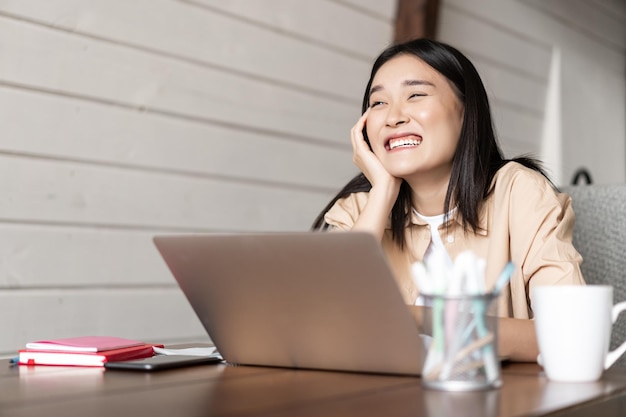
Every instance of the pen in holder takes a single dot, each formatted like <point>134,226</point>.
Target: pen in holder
<point>462,318</point>
<point>462,354</point>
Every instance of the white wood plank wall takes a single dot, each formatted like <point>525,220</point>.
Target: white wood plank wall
<point>124,119</point>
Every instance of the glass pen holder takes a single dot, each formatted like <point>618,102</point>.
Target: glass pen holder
<point>462,354</point>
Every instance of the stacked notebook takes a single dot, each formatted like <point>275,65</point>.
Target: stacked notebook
<point>84,351</point>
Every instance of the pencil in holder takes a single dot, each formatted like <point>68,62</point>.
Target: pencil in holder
<point>462,354</point>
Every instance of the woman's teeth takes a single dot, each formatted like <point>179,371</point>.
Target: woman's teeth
<point>396,143</point>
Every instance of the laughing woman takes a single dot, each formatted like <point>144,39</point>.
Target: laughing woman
<point>434,181</point>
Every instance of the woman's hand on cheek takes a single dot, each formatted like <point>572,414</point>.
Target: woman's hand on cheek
<point>368,162</point>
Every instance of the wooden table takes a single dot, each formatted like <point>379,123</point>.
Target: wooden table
<point>224,390</point>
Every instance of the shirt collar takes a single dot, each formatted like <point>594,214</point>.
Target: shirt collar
<point>483,219</point>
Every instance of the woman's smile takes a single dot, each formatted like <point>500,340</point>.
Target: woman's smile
<point>403,141</point>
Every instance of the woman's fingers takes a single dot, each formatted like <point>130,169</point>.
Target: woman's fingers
<point>362,155</point>
<point>356,133</point>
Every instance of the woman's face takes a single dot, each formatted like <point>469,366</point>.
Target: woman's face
<point>415,119</point>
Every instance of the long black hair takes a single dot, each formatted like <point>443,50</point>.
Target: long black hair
<point>477,157</point>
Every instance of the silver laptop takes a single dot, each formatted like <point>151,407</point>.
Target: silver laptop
<point>315,300</point>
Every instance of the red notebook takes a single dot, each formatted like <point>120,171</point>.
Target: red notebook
<point>84,351</point>
<point>84,344</point>
<point>47,357</point>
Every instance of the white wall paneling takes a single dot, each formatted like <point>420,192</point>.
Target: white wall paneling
<point>385,9</point>
<point>61,127</point>
<point>599,20</point>
<point>150,314</point>
<point>493,40</point>
<point>115,74</point>
<point>74,193</point>
<point>321,22</point>
<point>62,256</point>
<point>184,31</point>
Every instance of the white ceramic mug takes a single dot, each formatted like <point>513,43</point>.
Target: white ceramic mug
<point>573,325</point>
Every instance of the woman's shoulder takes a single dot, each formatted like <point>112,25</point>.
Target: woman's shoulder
<point>355,201</point>
<point>525,186</point>
<point>346,210</point>
<point>515,174</point>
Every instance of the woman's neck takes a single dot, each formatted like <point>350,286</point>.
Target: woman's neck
<point>428,195</point>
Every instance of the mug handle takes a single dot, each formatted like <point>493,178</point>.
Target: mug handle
<point>614,355</point>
